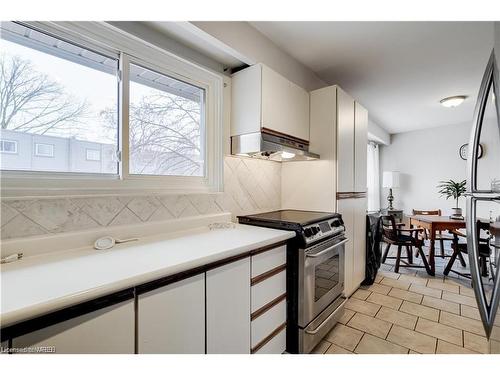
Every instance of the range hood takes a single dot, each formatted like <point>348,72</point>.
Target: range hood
<point>277,147</point>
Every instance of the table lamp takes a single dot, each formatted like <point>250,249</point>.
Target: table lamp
<point>390,180</point>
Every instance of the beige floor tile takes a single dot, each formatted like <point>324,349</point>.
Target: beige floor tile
<point>444,347</point>
<point>322,347</point>
<point>377,288</point>
<point>373,345</point>
<point>413,279</point>
<point>335,349</point>
<point>439,331</point>
<point>469,292</point>
<point>463,323</point>
<point>425,291</point>
<point>406,295</point>
<point>441,304</point>
<point>361,294</point>
<point>439,284</point>
<point>397,317</point>
<point>384,300</point>
<point>470,312</point>
<point>389,274</point>
<point>374,326</point>
<point>407,271</point>
<point>419,310</point>
<point>458,298</point>
<point>476,343</point>
<point>412,340</point>
<point>363,307</point>
<point>346,316</point>
<point>401,284</point>
<point>345,337</point>
<point>378,278</point>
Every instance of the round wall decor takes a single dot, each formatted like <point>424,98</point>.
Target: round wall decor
<point>464,150</point>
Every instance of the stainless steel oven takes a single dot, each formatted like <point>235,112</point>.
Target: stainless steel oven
<point>315,272</point>
<point>321,286</point>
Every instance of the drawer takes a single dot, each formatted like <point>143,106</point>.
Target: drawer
<point>277,345</point>
<point>266,323</point>
<point>267,290</point>
<point>268,260</point>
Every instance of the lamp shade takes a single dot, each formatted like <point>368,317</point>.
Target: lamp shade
<point>390,179</point>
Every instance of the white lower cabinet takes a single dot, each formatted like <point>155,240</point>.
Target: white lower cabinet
<point>228,308</point>
<point>108,330</point>
<point>171,319</point>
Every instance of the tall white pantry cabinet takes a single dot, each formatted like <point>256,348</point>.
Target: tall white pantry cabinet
<point>336,182</point>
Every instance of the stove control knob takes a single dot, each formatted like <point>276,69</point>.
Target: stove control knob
<point>308,232</point>
<point>315,230</point>
<point>336,223</point>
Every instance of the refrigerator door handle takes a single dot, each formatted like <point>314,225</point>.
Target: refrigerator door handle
<point>486,310</point>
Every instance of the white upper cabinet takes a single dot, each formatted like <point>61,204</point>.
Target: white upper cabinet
<point>345,142</point>
<point>262,98</point>
<point>360,145</point>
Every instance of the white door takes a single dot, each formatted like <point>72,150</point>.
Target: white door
<point>171,319</point>
<point>108,330</point>
<point>228,308</point>
<point>346,208</point>
<point>345,142</point>
<point>360,142</point>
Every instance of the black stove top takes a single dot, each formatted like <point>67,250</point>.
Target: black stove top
<point>296,217</point>
<point>310,226</point>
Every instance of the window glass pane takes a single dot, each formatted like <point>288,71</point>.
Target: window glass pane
<point>94,155</point>
<point>166,125</point>
<point>9,147</point>
<point>62,100</point>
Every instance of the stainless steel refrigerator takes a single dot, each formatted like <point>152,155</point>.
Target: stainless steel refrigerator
<point>483,201</point>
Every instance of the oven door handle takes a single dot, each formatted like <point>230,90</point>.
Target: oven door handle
<point>327,249</point>
<point>318,328</point>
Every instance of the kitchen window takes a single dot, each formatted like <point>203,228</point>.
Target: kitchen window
<point>8,147</point>
<point>44,150</point>
<point>105,95</point>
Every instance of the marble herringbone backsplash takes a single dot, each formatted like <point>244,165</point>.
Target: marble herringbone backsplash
<point>250,186</point>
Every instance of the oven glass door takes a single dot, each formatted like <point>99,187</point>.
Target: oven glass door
<point>323,278</point>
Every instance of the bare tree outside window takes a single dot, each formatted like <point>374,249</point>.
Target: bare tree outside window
<point>32,102</point>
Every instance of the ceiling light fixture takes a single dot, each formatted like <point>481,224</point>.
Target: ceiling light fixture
<point>453,101</point>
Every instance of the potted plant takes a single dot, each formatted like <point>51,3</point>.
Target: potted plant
<point>453,189</point>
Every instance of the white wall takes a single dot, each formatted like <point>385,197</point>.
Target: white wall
<point>425,157</point>
<point>253,47</point>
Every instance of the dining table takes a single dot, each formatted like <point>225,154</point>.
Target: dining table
<point>435,224</point>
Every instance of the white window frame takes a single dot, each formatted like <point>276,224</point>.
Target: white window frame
<point>41,154</point>
<point>92,149</point>
<point>16,144</point>
<point>107,39</point>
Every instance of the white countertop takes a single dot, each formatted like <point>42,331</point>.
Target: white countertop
<point>41,284</point>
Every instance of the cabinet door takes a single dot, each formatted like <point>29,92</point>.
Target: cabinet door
<point>299,112</point>
<point>228,308</point>
<point>346,208</point>
<point>359,241</point>
<point>285,105</point>
<point>108,330</point>
<point>345,142</point>
<point>360,144</point>
<point>171,319</point>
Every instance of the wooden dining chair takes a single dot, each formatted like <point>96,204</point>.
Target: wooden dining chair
<point>439,235</point>
<point>395,234</point>
<point>461,247</point>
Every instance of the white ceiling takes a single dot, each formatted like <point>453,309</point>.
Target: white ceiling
<point>398,70</point>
